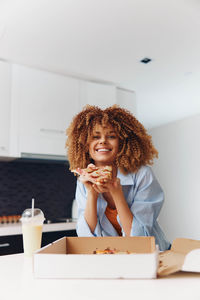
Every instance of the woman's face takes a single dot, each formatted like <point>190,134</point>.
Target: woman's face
<point>103,145</point>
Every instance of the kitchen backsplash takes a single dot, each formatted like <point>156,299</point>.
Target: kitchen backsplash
<point>52,186</point>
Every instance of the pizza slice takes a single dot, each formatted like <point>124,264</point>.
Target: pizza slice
<point>97,175</point>
<point>110,251</point>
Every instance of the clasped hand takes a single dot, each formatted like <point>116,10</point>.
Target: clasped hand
<point>111,185</point>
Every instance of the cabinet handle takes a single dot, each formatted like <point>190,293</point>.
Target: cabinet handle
<point>4,245</point>
<point>57,131</point>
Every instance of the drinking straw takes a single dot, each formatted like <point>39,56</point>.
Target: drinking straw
<point>32,210</point>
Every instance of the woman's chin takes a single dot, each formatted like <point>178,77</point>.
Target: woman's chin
<point>103,163</point>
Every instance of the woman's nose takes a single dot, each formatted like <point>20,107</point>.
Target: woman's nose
<point>102,140</point>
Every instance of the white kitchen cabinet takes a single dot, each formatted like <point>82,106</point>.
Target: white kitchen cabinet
<point>104,95</point>
<point>126,99</point>
<point>43,105</point>
<point>5,81</point>
<point>98,94</point>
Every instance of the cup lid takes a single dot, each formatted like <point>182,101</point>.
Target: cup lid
<point>38,215</point>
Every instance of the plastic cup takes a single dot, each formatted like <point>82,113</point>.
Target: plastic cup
<point>32,221</point>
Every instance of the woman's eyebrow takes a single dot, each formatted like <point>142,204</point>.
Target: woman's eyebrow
<point>98,132</point>
<point>111,132</point>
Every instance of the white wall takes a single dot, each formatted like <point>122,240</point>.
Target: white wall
<point>178,171</point>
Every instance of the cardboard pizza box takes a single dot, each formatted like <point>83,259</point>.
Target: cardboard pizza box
<point>183,256</point>
<point>73,257</point>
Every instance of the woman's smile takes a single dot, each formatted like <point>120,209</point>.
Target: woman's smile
<point>103,150</point>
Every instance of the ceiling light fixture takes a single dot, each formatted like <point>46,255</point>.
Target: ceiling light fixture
<point>146,60</point>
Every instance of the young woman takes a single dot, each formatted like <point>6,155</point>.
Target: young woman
<point>129,203</point>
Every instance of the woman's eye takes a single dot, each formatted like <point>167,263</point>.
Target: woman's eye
<point>95,137</point>
<point>112,137</point>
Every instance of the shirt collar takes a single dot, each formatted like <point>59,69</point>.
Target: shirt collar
<point>127,179</point>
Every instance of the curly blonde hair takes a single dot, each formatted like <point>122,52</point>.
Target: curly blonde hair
<point>135,145</point>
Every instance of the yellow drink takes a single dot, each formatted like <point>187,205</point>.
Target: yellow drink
<point>32,237</point>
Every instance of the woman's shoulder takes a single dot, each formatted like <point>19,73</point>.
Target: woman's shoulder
<point>144,172</point>
<point>132,177</point>
<point>145,169</point>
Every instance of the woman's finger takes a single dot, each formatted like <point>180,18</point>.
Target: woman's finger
<point>95,187</point>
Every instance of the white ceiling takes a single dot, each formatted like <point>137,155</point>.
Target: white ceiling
<point>106,39</point>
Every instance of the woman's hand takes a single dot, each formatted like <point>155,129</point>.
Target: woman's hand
<point>89,184</point>
<point>112,186</point>
<point>91,181</point>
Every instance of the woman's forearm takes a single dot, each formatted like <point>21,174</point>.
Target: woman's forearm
<point>125,214</point>
<point>91,211</point>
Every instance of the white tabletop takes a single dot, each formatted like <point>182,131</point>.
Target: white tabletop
<point>17,282</point>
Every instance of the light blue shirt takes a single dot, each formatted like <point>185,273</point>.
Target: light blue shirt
<point>145,199</point>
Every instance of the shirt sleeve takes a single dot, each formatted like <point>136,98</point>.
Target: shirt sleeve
<point>148,200</point>
<point>82,227</point>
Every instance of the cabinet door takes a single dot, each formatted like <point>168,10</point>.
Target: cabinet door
<point>98,94</point>
<point>5,81</point>
<point>127,100</point>
<point>44,104</point>
<point>11,244</point>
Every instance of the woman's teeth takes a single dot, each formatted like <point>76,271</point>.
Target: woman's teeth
<point>103,150</point>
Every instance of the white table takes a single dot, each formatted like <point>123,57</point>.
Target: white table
<point>17,282</point>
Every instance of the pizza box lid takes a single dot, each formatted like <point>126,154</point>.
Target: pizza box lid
<point>183,256</point>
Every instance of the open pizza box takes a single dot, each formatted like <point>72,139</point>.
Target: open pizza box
<point>73,257</point>
<point>183,256</point>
